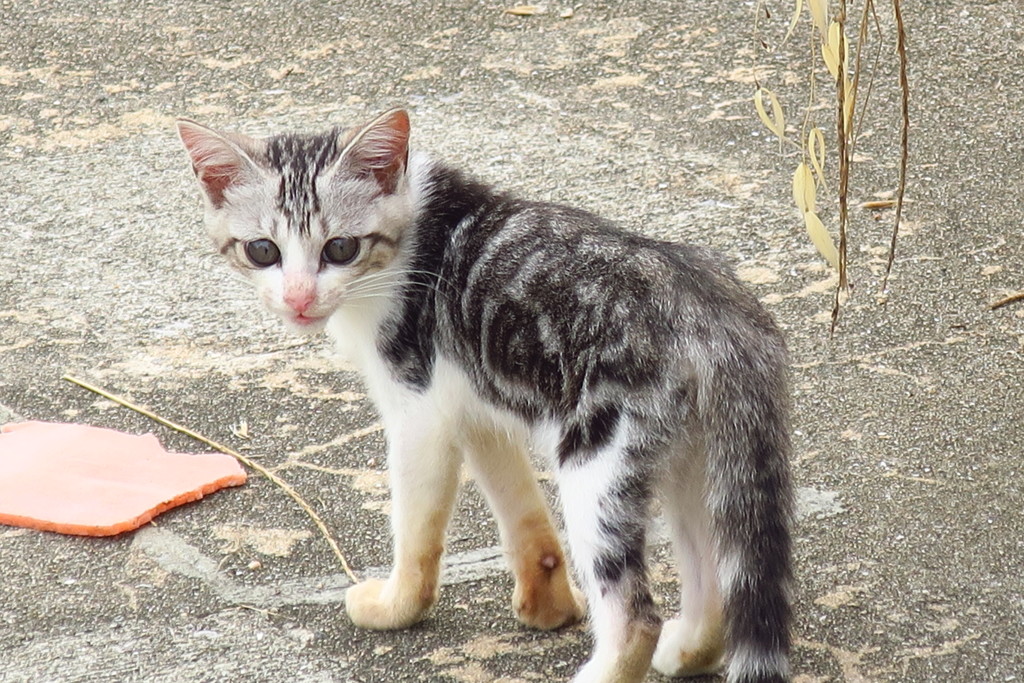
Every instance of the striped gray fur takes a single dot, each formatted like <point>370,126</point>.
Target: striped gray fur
<point>625,347</point>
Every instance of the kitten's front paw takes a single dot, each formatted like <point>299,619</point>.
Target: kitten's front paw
<point>378,605</point>
<point>544,596</point>
<point>550,605</point>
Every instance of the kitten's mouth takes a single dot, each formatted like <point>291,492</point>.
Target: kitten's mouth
<point>306,320</point>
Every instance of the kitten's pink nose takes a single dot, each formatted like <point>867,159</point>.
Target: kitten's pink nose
<point>299,299</point>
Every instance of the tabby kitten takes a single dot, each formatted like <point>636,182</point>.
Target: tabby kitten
<point>484,326</point>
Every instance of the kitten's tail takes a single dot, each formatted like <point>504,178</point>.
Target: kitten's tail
<point>744,406</point>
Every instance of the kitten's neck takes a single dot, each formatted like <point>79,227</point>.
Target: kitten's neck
<point>444,197</point>
<point>396,335</point>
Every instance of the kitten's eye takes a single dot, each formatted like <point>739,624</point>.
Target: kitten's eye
<point>340,250</point>
<point>262,253</point>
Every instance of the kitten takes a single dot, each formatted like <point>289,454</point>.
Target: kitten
<point>485,325</point>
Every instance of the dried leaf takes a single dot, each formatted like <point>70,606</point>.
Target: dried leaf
<point>830,50</point>
<point>796,17</point>
<point>829,53</point>
<point>830,60</point>
<point>776,123</point>
<point>821,239</point>
<point>819,15</point>
<point>816,150</point>
<point>526,10</point>
<point>804,189</point>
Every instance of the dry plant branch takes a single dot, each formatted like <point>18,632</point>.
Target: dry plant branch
<point>1013,298</point>
<point>843,143</point>
<point>862,40</point>
<point>901,50</point>
<point>248,462</point>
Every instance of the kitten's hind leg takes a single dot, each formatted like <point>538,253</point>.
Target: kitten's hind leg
<point>693,643</point>
<point>423,467</point>
<point>605,501</point>
<point>544,596</point>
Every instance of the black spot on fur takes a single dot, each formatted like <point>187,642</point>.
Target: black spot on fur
<point>583,437</point>
<point>610,567</point>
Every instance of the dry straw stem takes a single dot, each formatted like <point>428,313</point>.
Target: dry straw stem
<point>248,462</point>
<point>901,50</point>
<point>1013,298</point>
<point>843,135</point>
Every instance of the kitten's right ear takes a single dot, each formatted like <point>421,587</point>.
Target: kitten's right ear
<point>219,161</point>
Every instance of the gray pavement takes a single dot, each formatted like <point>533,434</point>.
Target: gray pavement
<point>910,548</point>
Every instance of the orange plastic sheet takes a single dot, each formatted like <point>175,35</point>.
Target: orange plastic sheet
<point>90,481</point>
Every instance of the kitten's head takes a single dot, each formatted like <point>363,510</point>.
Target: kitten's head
<point>315,221</point>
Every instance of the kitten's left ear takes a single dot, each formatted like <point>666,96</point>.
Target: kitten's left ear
<point>380,148</point>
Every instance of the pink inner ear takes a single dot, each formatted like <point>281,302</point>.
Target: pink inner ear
<point>388,177</point>
<point>215,162</point>
<point>216,180</point>
<point>383,149</point>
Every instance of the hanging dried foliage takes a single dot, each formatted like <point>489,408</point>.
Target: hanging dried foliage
<point>829,44</point>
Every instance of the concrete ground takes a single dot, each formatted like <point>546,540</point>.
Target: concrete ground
<point>908,445</point>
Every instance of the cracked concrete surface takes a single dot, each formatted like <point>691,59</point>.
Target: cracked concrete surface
<point>910,545</point>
